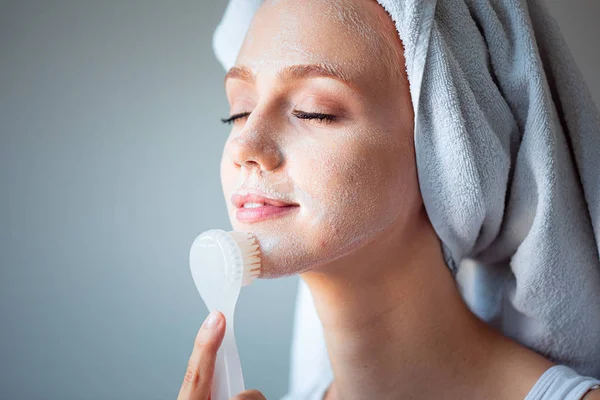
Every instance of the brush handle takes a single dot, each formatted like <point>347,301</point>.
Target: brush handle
<point>228,379</point>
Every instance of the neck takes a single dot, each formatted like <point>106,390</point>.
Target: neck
<point>396,327</point>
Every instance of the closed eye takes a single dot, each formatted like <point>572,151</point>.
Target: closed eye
<point>234,118</point>
<point>323,118</point>
<point>319,117</point>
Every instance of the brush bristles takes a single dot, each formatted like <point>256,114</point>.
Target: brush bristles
<point>250,249</point>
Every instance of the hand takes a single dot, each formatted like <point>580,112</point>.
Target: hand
<point>198,378</point>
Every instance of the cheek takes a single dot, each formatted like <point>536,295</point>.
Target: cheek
<point>352,194</point>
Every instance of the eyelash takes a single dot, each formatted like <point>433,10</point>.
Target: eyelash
<point>321,118</point>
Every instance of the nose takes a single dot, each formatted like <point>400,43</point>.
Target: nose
<point>255,148</point>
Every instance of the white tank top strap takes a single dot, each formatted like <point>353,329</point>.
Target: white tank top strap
<point>560,382</point>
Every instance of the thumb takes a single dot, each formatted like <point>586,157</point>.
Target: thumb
<point>249,395</point>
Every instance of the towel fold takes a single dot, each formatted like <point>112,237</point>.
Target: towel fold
<point>507,141</point>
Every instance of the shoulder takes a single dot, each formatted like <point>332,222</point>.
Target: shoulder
<point>592,395</point>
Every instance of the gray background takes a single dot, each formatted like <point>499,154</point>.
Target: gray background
<point>109,167</point>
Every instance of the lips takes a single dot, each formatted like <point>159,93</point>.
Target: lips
<point>262,207</point>
<point>240,200</point>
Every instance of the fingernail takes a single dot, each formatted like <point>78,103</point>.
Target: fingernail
<point>212,320</point>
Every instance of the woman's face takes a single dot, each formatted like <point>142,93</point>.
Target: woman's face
<point>326,125</point>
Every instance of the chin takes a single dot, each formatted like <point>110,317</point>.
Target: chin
<point>287,255</point>
<point>283,254</point>
<point>292,246</point>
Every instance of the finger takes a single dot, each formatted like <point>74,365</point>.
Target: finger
<point>249,395</point>
<point>198,378</point>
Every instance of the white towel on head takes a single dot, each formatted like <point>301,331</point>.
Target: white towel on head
<point>507,141</point>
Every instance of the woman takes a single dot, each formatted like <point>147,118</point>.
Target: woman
<point>323,129</point>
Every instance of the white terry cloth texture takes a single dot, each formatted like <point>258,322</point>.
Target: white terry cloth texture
<point>507,141</point>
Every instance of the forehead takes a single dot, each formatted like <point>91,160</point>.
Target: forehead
<point>345,34</point>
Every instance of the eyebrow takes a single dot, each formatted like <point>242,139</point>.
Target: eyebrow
<point>292,72</point>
